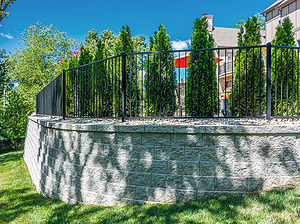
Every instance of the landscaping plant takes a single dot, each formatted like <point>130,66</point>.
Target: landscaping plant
<point>284,76</point>
<point>160,82</point>
<point>248,91</point>
<point>201,85</point>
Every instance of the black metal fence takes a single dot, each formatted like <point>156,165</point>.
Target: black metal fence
<point>50,101</point>
<point>253,81</point>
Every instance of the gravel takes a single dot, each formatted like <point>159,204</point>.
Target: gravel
<point>177,121</point>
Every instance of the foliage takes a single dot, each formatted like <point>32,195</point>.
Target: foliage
<point>3,6</point>
<point>90,41</point>
<point>103,81</point>
<point>133,93</point>
<point>14,115</point>
<point>85,56</point>
<point>109,40</point>
<point>248,91</point>
<point>284,74</point>
<point>68,62</point>
<point>5,82</point>
<point>32,67</point>
<point>100,52</point>
<point>124,41</point>
<point>201,93</point>
<point>139,44</point>
<point>34,64</point>
<point>85,91</point>
<point>8,134</point>
<point>261,20</point>
<point>160,83</point>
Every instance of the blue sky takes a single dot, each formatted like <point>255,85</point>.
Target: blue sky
<point>76,17</point>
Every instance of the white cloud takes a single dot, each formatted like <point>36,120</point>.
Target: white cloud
<point>0,25</point>
<point>180,44</point>
<point>8,36</point>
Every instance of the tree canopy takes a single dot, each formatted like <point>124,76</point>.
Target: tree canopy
<point>34,64</point>
<point>4,4</point>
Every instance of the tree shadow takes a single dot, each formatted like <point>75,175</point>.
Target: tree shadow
<point>13,156</point>
<point>91,167</point>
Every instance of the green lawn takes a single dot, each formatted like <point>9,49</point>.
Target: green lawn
<point>19,203</point>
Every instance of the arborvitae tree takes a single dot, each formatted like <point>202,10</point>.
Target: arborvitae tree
<point>72,83</point>
<point>248,91</point>
<point>201,87</point>
<point>85,56</point>
<point>109,41</point>
<point>103,77</point>
<point>285,87</point>
<point>85,85</point>
<point>160,81</point>
<point>73,62</point>
<point>132,96</point>
<point>91,40</point>
<point>139,44</point>
<point>100,51</point>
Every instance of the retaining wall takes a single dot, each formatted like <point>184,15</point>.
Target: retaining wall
<point>118,165</point>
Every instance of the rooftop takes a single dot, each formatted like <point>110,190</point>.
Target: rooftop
<point>277,4</point>
<point>225,37</point>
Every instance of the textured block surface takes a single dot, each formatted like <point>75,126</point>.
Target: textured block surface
<point>123,164</point>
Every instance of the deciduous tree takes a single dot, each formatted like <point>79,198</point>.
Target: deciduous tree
<point>3,7</point>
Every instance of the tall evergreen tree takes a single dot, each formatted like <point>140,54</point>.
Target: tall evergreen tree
<point>132,94</point>
<point>160,81</point>
<point>91,41</point>
<point>284,84</point>
<point>248,91</point>
<point>85,86</point>
<point>109,41</point>
<point>85,56</point>
<point>201,93</point>
<point>103,86</point>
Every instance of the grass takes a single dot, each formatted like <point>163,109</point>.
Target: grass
<point>19,203</point>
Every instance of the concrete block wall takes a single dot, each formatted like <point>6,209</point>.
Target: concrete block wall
<point>119,165</point>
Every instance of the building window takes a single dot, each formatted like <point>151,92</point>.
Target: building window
<point>298,41</point>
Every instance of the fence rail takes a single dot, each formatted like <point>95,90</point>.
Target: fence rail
<point>252,81</point>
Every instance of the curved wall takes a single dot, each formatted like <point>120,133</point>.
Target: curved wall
<point>119,165</point>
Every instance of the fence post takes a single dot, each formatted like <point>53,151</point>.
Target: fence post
<point>36,105</point>
<point>123,84</point>
<point>269,46</point>
<point>64,94</point>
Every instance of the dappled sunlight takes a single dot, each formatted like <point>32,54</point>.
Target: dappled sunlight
<point>121,165</point>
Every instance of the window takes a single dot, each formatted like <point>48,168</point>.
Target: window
<point>269,16</point>
<point>285,11</point>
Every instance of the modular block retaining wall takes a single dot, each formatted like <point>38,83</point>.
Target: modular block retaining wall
<point>119,164</point>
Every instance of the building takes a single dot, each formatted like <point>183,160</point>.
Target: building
<point>277,12</point>
<point>224,37</point>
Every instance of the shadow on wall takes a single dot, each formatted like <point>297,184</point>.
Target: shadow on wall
<point>19,202</point>
<point>116,165</point>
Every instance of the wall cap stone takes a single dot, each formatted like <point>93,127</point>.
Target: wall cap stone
<point>173,129</point>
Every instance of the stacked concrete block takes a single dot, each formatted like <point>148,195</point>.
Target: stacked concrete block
<point>119,165</point>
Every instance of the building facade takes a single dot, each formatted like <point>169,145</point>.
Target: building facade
<point>277,12</point>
